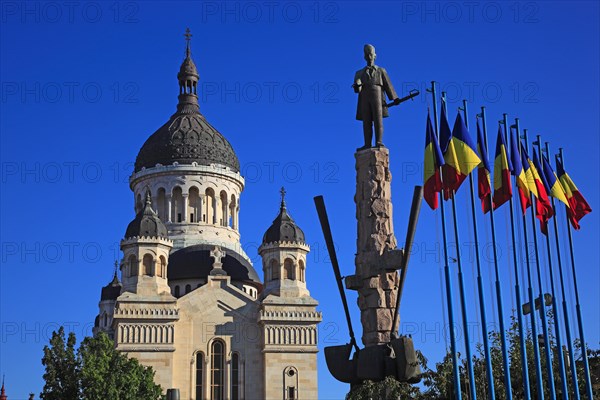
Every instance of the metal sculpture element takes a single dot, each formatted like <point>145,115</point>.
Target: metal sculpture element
<point>372,83</point>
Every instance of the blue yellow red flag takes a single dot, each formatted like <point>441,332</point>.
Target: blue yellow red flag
<point>450,175</point>
<point>434,159</point>
<point>519,173</point>
<point>555,189</point>
<point>579,206</point>
<point>460,156</point>
<point>502,170</point>
<point>543,207</point>
<point>484,188</point>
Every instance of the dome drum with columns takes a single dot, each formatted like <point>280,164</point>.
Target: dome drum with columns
<point>189,303</point>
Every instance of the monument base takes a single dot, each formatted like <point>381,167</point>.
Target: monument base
<point>377,258</point>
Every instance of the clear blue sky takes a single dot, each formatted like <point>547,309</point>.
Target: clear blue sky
<point>84,86</point>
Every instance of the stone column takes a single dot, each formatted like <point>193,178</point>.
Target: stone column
<point>377,258</point>
<point>169,200</point>
<point>185,216</point>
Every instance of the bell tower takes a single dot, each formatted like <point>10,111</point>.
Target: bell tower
<point>283,253</point>
<point>145,250</point>
<point>288,314</point>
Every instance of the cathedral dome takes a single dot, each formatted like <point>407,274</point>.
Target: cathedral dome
<point>146,223</point>
<point>196,262</point>
<point>187,137</point>
<point>283,228</point>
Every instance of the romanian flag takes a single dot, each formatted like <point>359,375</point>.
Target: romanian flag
<point>519,173</point>
<point>460,156</point>
<point>502,169</point>
<point>579,207</point>
<point>449,173</point>
<point>529,177</point>
<point>544,210</point>
<point>433,161</point>
<point>483,173</point>
<point>554,187</point>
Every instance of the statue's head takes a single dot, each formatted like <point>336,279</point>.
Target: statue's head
<point>370,55</point>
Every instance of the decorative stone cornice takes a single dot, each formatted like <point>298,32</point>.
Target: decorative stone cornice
<point>135,240</point>
<point>283,245</point>
<point>289,316</point>
<point>216,170</point>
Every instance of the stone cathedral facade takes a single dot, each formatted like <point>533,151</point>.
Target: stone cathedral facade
<point>189,302</point>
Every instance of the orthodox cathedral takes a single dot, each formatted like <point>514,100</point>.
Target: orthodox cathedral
<point>190,303</point>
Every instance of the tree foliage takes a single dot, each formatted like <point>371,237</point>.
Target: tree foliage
<point>95,372</point>
<point>61,376</point>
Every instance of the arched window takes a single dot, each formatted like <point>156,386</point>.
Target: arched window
<point>161,204</point>
<point>217,369</point>
<point>105,320</point>
<point>302,271</point>
<point>223,212</point>
<point>176,294</point>
<point>199,376</point>
<point>275,270</point>
<point>288,267</point>
<point>147,263</point>
<point>232,216</point>
<point>188,288</point>
<point>209,206</point>
<point>161,267</point>
<point>290,379</point>
<point>133,265</point>
<point>235,376</point>
<point>195,205</point>
<point>177,205</point>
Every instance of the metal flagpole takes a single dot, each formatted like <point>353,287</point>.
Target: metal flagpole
<point>524,367</point>
<point>463,302</point>
<point>484,331</point>
<point>561,361</point>
<point>584,356</point>
<point>457,391</point>
<point>564,299</point>
<point>505,358</point>
<point>547,350</point>
<point>536,350</point>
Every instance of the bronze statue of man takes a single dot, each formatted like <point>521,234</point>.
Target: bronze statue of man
<point>372,84</point>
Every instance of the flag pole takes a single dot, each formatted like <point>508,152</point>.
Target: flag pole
<point>484,331</point>
<point>524,366</point>
<point>584,356</point>
<point>564,299</point>
<point>536,349</point>
<point>561,361</point>
<point>547,350</point>
<point>505,359</point>
<point>449,297</point>
<point>463,301</point>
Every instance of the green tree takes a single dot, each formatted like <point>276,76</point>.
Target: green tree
<point>107,374</point>
<point>61,376</point>
<point>97,371</point>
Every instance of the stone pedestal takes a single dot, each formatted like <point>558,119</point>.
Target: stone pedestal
<point>377,259</point>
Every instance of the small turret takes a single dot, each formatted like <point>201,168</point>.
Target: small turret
<point>145,250</point>
<point>283,252</point>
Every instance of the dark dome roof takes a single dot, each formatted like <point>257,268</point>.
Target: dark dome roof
<point>195,262</point>
<point>283,228</point>
<point>187,137</point>
<point>112,290</point>
<point>146,223</point>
